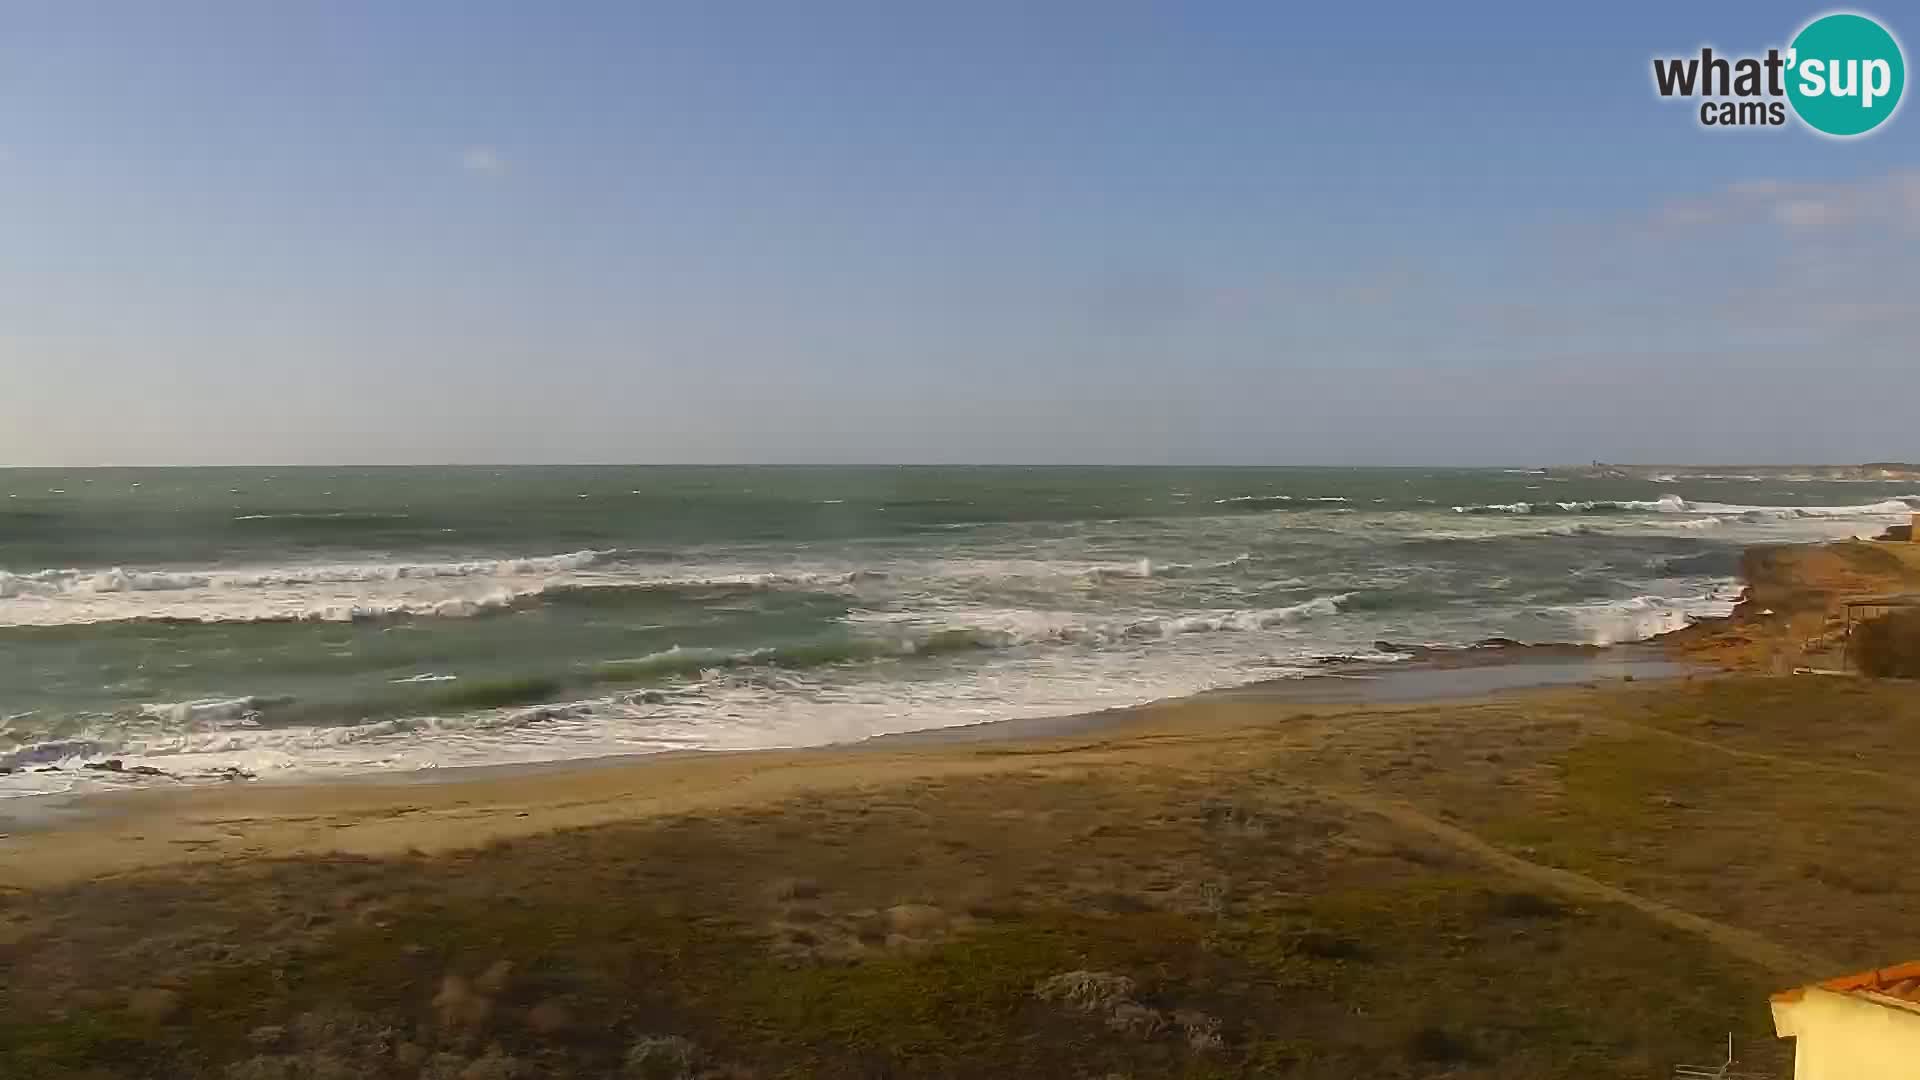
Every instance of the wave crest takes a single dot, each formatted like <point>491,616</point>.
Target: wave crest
<point>1674,504</point>
<point>118,579</point>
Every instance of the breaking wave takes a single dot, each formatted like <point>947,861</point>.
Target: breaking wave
<point>1674,504</point>
<point>119,580</point>
<point>280,732</point>
<point>1008,628</point>
<point>1276,500</point>
<point>1900,504</point>
<point>216,749</point>
<point>391,592</point>
<point>1612,622</point>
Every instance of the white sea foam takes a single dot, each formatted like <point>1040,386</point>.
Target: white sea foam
<point>340,593</point>
<point>1244,621</point>
<point>1242,559</point>
<point>1637,618</point>
<point>1898,505</point>
<point>57,582</point>
<point>1142,568</point>
<point>1509,531</point>
<point>294,608</point>
<point>732,706</point>
<point>1674,504</point>
<point>335,516</point>
<point>215,739</point>
<point>117,579</point>
<point>216,713</point>
<point>335,592</point>
<point>1279,499</point>
<point>759,579</point>
<point>1005,623</point>
<point>1007,627</point>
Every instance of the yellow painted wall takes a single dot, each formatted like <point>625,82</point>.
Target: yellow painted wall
<point>1847,1037</point>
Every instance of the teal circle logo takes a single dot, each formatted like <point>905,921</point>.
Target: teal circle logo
<point>1845,74</point>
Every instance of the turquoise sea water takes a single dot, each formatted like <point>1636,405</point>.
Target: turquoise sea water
<point>293,621</point>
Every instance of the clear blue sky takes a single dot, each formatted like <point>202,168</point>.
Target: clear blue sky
<point>982,231</point>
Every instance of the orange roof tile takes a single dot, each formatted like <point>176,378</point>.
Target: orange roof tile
<point>1901,981</point>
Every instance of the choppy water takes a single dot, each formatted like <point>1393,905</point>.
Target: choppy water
<point>294,621</point>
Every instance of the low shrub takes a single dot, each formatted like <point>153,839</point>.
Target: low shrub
<point>1889,647</point>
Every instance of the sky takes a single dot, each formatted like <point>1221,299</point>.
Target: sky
<point>1078,231</point>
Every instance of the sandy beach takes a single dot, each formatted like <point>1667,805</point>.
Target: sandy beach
<point>1589,863</point>
<point>61,839</point>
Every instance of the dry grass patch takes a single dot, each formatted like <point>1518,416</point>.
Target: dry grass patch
<point>1215,913</point>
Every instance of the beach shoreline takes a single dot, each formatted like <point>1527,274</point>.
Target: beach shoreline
<point>154,822</point>
<point>327,623</point>
<point>63,837</point>
<point>1263,868</point>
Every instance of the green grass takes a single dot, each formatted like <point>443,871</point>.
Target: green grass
<point>1615,790</point>
<point>1435,973</point>
<point>66,1046</point>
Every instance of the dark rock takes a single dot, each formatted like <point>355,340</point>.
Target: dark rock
<point>109,765</point>
<point>48,768</point>
<point>146,770</point>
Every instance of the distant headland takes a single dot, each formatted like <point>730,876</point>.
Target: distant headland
<point>1867,472</point>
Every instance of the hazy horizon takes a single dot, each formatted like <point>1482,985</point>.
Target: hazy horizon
<point>1089,234</point>
<point>1444,465</point>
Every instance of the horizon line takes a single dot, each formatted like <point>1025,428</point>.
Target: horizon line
<point>957,465</point>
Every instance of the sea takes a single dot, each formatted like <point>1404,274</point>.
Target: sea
<point>311,623</point>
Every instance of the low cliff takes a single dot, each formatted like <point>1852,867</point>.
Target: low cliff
<point>1791,614</point>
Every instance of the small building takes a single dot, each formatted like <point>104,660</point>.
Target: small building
<point>1854,1027</point>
